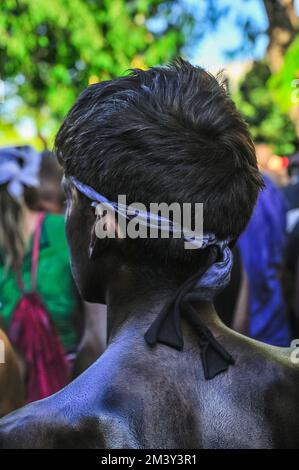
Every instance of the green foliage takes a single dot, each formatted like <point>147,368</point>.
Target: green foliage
<point>283,84</point>
<point>51,50</point>
<point>267,122</point>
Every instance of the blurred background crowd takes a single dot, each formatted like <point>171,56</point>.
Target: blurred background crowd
<point>49,52</point>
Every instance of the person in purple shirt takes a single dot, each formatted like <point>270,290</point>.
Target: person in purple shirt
<point>262,246</point>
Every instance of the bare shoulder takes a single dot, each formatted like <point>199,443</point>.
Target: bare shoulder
<point>272,361</point>
<point>85,414</point>
<point>47,425</point>
<point>266,380</point>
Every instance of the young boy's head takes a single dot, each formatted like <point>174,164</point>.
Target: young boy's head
<point>168,134</point>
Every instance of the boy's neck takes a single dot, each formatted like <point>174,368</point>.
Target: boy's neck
<point>136,304</point>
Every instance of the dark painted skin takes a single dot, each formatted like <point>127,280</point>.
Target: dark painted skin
<point>135,396</point>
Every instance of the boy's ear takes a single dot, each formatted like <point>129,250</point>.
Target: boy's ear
<point>95,248</point>
<point>103,230</point>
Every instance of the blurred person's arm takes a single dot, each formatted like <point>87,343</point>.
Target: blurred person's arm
<point>94,338</point>
<point>240,322</point>
<point>11,387</point>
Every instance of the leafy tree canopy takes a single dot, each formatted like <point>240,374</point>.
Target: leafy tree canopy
<point>285,83</point>
<point>267,122</point>
<point>51,50</point>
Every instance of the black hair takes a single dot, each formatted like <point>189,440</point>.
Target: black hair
<point>167,134</point>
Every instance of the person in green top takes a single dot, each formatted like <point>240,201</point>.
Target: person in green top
<point>19,199</point>
<point>54,281</point>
